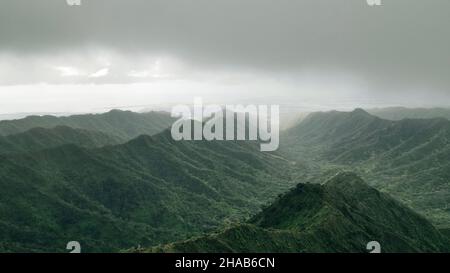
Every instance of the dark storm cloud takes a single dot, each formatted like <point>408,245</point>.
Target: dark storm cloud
<point>402,42</point>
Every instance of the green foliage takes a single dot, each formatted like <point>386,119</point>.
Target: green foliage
<point>342,215</point>
<point>40,138</point>
<point>62,183</point>
<point>144,192</point>
<point>408,159</point>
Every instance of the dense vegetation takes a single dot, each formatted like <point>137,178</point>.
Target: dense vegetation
<point>40,138</point>
<point>408,158</point>
<point>147,191</point>
<point>342,215</point>
<point>118,180</point>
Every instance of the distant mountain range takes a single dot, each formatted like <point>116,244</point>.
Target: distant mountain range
<point>408,158</point>
<point>122,124</point>
<point>13,116</point>
<point>342,215</point>
<point>398,113</point>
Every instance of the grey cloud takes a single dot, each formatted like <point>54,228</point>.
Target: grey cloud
<point>403,42</point>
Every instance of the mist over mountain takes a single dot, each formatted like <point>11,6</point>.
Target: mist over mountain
<point>13,116</point>
<point>122,124</point>
<point>398,113</point>
<point>342,215</point>
<point>65,183</point>
<point>406,158</point>
<point>124,181</point>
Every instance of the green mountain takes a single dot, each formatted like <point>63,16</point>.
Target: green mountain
<point>40,138</point>
<point>342,215</point>
<point>398,113</point>
<point>122,124</point>
<point>147,191</point>
<point>408,158</point>
<point>445,232</point>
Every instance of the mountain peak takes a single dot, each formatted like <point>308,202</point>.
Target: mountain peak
<point>360,111</point>
<point>315,218</point>
<point>118,112</point>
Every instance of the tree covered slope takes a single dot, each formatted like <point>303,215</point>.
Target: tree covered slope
<point>342,215</point>
<point>147,191</point>
<point>409,159</point>
<point>41,138</point>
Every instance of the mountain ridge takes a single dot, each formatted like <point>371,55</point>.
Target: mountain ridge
<point>122,124</point>
<point>406,158</point>
<point>323,218</point>
<point>39,138</point>
<point>146,191</point>
<point>399,113</point>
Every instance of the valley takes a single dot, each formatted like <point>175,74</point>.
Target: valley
<point>115,191</point>
<point>408,159</point>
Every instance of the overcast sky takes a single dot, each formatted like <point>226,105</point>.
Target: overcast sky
<point>303,54</point>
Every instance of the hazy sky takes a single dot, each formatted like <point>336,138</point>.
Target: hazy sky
<point>302,54</point>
